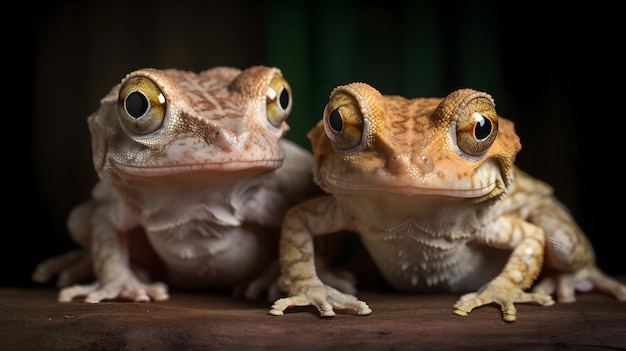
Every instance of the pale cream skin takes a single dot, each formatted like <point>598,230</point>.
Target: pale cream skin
<point>431,188</point>
<point>199,164</point>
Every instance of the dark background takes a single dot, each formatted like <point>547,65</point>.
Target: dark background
<point>554,71</point>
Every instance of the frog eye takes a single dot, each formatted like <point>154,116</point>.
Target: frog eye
<point>279,101</point>
<point>141,105</point>
<point>477,126</point>
<point>343,121</point>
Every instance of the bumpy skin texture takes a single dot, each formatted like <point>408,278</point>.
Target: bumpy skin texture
<point>197,164</point>
<point>430,186</point>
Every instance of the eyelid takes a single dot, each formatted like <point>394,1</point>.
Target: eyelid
<point>279,101</point>
<point>141,105</point>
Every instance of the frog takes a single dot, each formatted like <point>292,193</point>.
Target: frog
<point>194,177</point>
<point>431,188</point>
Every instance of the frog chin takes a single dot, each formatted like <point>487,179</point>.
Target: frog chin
<point>351,185</point>
<point>215,167</point>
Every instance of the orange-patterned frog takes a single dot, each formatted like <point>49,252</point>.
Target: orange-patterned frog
<point>430,186</point>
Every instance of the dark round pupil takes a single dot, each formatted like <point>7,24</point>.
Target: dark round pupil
<point>483,128</point>
<point>284,99</point>
<point>136,104</point>
<point>335,121</point>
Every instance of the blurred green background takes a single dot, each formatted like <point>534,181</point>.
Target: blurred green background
<point>545,67</point>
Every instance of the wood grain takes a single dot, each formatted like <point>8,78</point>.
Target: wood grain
<point>31,319</point>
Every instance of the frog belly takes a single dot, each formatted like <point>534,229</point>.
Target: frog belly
<point>413,266</point>
<point>208,255</point>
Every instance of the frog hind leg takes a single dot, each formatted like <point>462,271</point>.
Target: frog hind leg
<point>70,267</point>
<point>570,259</point>
<point>565,284</point>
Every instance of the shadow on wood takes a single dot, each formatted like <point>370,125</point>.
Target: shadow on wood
<point>32,319</point>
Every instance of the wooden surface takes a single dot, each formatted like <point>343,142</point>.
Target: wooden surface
<point>32,319</point>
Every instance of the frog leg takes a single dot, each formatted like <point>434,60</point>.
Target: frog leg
<point>109,253</point>
<point>75,265</point>
<point>565,284</point>
<point>570,260</point>
<point>70,267</point>
<point>317,216</point>
<point>272,282</point>
<point>520,271</point>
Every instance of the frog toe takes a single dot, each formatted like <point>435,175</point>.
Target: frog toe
<point>357,306</point>
<point>509,312</point>
<point>68,294</point>
<point>467,303</point>
<point>108,292</point>
<point>139,295</point>
<point>348,302</point>
<point>506,299</point>
<point>280,305</point>
<point>158,291</point>
<point>326,311</point>
<point>70,267</point>
<point>325,298</point>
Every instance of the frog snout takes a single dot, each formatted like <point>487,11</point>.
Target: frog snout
<point>405,164</point>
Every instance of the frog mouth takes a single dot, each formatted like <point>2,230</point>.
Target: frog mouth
<point>214,167</point>
<point>409,190</point>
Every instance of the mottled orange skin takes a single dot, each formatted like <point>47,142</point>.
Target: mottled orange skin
<point>431,187</point>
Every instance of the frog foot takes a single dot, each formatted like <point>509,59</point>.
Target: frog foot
<point>505,294</point>
<point>325,298</point>
<point>565,285</point>
<point>128,289</point>
<point>70,268</point>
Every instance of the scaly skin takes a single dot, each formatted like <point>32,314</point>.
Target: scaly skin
<point>431,188</point>
<point>196,163</point>
<point>298,261</point>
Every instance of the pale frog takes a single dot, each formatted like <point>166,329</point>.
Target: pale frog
<point>197,162</point>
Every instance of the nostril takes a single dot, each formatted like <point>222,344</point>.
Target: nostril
<point>395,163</point>
<point>218,138</point>
<point>423,162</point>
